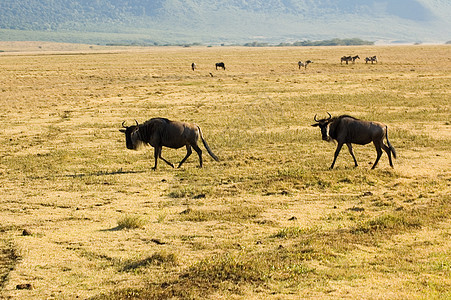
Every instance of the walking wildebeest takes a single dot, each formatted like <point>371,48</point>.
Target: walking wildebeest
<point>304,64</point>
<point>159,132</point>
<point>193,66</point>
<point>349,130</point>
<point>220,65</point>
<point>354,58</point>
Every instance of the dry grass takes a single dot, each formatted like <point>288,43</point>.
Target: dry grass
<point>130,222</point>
<point>267,221</point>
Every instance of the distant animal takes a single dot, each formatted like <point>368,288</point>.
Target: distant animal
<point>354,58</point>
<point>193,66</point>
<point>304,64</point>
<point>220,65</point>
<point>349,130</point>
<point>161,132</point>
<point>345,59</point>
<point>372,59</point>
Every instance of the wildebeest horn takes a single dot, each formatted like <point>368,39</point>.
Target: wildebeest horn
<point>315,119</point>
<point>123,124</point>
<point>330,117</point>
<point>136,123</point>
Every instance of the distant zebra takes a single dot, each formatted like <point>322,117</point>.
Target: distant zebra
<point>193,66</point>
<point>220,65</point>
<point>354,58</point>
<point>372,59</point>
<point>304,64</point>
<point>346,59</point>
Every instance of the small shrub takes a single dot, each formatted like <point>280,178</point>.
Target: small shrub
<point>387,222</point>
<point>227,267</point>
<point>131,222</point>
<point>232,214</point>
<point>160,258</point>
<point>292,232</point>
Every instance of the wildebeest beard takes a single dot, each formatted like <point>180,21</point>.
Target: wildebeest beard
<point>136,139</point>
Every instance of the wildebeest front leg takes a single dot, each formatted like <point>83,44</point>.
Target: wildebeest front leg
<point>158,155</point>
<point>188,153</point>
<point>337,151</point>
<point>352,153</point>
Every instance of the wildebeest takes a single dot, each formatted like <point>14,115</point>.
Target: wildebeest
<point>349,130</point>
<point>159,132</point>
<point>193,66</point>
<point>220,65</point>
<point>372,59</point>
<point>304,64</point>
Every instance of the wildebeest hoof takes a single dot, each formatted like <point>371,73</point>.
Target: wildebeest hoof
<point>26,232</point>
<point>24,286</point>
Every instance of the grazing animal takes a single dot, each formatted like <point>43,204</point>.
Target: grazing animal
<point>220,65</point>
<point>354,58</point>
<point>372,59</point>
<point>193,66</point>
<point>349,130</point>
<point>159,132</point>
<point>304,64</point>
<point>345,59</point>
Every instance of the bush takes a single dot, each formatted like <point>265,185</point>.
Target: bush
<point>131,222</point>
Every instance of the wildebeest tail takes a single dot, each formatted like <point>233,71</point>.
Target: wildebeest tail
<point>206,146</point>
<point>392,149</point>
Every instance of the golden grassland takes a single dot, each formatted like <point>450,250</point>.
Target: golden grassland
<point>269,220</point>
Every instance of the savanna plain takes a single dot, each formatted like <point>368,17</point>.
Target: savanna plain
<point>83,217</point>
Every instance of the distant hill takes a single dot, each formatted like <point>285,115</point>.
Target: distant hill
<point>224,21</point>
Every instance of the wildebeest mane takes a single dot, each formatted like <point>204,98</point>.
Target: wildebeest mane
<point>335,125</point>
<point>346,116</point>
<point>146,129</point>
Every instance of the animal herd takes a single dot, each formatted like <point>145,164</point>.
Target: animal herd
<point>161,132</point>
<point>346,59</point>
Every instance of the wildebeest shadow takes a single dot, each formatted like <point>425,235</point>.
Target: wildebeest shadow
<point>102,173</point>
<point>117,228</point>
<point>91,174</point>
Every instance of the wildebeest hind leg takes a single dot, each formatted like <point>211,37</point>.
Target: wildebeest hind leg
<point>188,153</point>
<point>352,153</point>
<point>199,153</point>
<point>388,151</point>
<point>159,155</point>
<point>379,154</point>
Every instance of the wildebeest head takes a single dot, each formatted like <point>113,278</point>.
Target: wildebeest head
<point>323,124</point>
<point>132,137</point>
